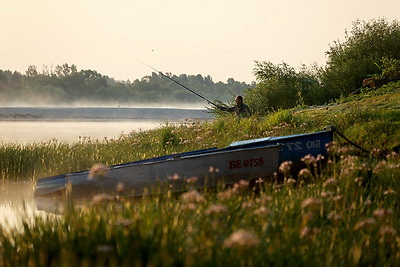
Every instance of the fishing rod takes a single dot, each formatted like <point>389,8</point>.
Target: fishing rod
<point>175,81</point>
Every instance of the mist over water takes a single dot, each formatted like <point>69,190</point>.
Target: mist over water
<point>71,124</point>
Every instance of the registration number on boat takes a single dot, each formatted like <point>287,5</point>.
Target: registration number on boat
<point>300,145</point>
<point>252,162</point>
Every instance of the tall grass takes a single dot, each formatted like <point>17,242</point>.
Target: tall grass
<point>348,216</point>
<point>344,215</point>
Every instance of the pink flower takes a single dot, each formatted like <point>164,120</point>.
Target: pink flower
<point>192,196</point>
<point>216,209</point>
<point>285,166</point>
<point>308,159</point>
<point>98,170</point>
<point>242,239</point>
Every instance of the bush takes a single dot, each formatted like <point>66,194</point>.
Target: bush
<point>351,61</point>
<point>280,87</point>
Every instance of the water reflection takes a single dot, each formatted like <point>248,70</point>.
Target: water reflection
<point>16,203</point>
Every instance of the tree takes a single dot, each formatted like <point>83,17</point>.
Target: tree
<point>32,71</point>
<point>358,56</point>
<point>279,87</point>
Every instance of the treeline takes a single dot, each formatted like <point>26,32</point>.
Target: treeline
<point>65,85</point>
<point>370,49</point>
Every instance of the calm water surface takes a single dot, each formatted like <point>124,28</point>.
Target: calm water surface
<point>68,131</point>
<point>26,125</point>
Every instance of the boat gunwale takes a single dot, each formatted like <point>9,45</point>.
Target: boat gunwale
<point>173,157</point>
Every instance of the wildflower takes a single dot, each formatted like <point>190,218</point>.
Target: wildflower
<point>290,181</point>
<point>264,199</point>
<point>387,231</point>
<point>98,170</point>
<point>334,216</point>
<point>345,150</point>
<point>310,203</point>
<point>320,158</point>
<point>392,155</point>
<point>358,180</point>
<point>376,152</point>
<point>326,194</point>
<point>242,239</point>
<point>307,232</point>
<point>389,192</point>
<point>247,204</point>
<point>211,169</point>
<point>225,195</point>
<point>216,209</point>
<point>120,187</point>
<point>192,196</point>
<point>190,206</point>
<point>259,181</point>
<point>330,183</point>
<point>382,165</point>
<point>101,197</point>
<point>331,147</point>
<point>192,180</point>
<point>262,211</point>
<point>285,167</point>
<point>337,198</point>
<point>367,224</point>
<point>173,177</point>
<point>368,202</point>
<point>240,186</point>
<point>308,159</point>
<point>305,174</point>
<point>383,214</point>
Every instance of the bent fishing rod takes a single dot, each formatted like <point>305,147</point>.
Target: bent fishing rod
<point>175,81</point>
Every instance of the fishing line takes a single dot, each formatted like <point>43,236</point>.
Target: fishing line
<point>166,76</point>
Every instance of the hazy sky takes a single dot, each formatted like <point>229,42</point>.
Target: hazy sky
<point>221,38</point>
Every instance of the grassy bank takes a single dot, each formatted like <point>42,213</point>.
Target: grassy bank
<point>346,215</point>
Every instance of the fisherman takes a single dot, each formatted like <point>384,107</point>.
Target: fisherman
<point>240,109</point>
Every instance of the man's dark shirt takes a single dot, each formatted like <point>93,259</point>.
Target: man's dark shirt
<point>241,111</point>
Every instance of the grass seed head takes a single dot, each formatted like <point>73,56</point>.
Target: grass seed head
<point>330,183</point>
<point>367,225</point>
<point>311,203</point>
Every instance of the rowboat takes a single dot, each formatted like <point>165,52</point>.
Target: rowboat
<point>248,159</point>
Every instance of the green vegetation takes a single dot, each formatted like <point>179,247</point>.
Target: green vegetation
<point>66,85</point>
<point>369,49</point>
<point>344,215</point>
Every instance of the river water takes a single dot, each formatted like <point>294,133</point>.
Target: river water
<point>24,125</point>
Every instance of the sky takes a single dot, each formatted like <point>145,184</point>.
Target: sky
<point>220,38</point>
